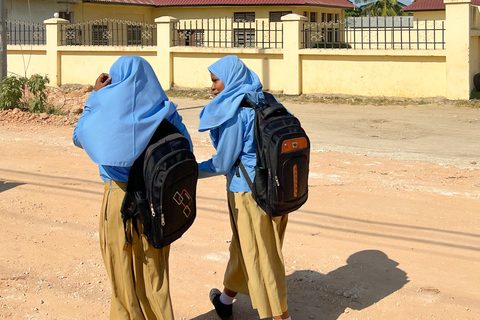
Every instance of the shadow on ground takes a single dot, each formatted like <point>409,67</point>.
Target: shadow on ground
<point>5,185</point>
<point>368,277</point>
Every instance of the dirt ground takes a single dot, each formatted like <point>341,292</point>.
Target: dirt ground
<point>391,229</point>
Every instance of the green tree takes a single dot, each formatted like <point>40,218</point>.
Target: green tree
<point>381,8</point>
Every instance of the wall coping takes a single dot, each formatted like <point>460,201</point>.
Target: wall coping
<point>293,17</point>
<point>374,53</point>
<point>226,50</point>
<point>457,1</point>
<point>56,21</point>
<point>166,19</point>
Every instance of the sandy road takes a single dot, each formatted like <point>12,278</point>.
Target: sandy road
<point>383,235</point>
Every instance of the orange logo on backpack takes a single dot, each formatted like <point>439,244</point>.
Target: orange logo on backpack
<point>295,181</point>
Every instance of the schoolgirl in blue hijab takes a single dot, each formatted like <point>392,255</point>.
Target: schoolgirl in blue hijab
<point>231,127</point>
<point>255,267</point>
<point>119,120</point>
<point>117,123</point>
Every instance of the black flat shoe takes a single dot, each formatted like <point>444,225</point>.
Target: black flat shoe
<point>224,311</point>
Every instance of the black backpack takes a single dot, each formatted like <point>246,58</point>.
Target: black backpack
<point>283,155</point>
<point>161,188</point>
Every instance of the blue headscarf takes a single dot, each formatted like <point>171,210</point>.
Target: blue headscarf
<point>125,114</point>
<point>239,81</point>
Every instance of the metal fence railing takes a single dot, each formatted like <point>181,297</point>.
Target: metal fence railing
<point>396,33</point>
<point>108,32</point>
<point>228,33</point>
<point>25,33</point>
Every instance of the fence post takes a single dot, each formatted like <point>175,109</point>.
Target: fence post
<point>52,31</point>
<point>164,42</point>
<point>459,74</point>
<point>292,35</point>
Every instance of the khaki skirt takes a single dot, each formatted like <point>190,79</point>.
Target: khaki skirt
<point>256,266</point>
<point>138,272</point>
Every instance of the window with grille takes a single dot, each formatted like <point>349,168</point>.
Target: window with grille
<point>323,17</point>
<point>134,35</point>
<point>313,17</point>
<point>244,17</point>
<point>190,37</point>
<point>276,16</point>
<point>67,15</point>
<point>244,38</point>
<point>99,35</point>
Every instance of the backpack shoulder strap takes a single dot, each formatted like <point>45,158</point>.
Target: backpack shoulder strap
<point>269,98</point>
<point>239,164</point>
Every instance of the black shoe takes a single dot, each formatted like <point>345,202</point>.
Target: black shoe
<point>224,311</point>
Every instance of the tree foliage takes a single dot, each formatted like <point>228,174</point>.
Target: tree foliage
<point>380,8</point>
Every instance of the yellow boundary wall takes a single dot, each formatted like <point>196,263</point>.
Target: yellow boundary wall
<point>292,70</point>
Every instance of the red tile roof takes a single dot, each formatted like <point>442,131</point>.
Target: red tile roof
<point>134,2</point>
<point>430,5</point>
<point>175,3</point>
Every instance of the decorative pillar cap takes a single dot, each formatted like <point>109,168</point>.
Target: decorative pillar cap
<point>166,19</point>
<point>456,1</point>
<point>55,21</point>
<point>293,17</point>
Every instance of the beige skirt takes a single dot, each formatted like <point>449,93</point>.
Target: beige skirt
<point>256,266</point>
<point>138,272</point>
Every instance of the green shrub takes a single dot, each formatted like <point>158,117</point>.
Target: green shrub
<point>23,93</point>
<point>11,92</point>
<point>36,86</point>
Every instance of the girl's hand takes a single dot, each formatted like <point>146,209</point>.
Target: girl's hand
<point>102,81</point>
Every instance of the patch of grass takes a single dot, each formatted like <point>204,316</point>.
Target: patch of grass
<point>190,93</point>
<point>70,87</point>
<point>55,111</point>
<point>334,99</point>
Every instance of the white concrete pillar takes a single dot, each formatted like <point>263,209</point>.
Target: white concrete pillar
<point>164,69</point>
<point>292,42</point>
<point>458,23</point>
<point>53,29</point>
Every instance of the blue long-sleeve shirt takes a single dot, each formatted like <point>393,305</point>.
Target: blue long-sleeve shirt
<point>233,140</point>
<point>121,173</point>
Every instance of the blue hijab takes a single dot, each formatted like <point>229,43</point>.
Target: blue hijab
<point>125,114</point>
<point>239,81</point>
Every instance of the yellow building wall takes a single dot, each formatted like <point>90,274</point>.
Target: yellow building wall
<point>429,15</point>
<point>26,62</point>
<point>84,67</point>
<point>381,74</point>
<point>190,69</point>
<point>261,13</point>
<point>87,11</point>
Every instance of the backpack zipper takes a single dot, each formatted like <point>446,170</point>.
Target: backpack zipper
<point>153,210</point>
<point>162,216</point>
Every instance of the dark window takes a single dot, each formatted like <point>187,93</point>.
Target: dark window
<point>67,15</point>
<point>336,17</point>
<point>244,38</point>
<point>134,35</point>
<point>244,17</point>
<point>313,17</point>
<point>329,17</point>
<point>323,17</point>
<point>190,37</point>
<point>100,35</point>
<point>276,16</point>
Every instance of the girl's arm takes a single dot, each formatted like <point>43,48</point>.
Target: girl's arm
<point>229,148</point>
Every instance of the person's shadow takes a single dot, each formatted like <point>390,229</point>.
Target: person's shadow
<point>5,185</point>
<point>368,277</point>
